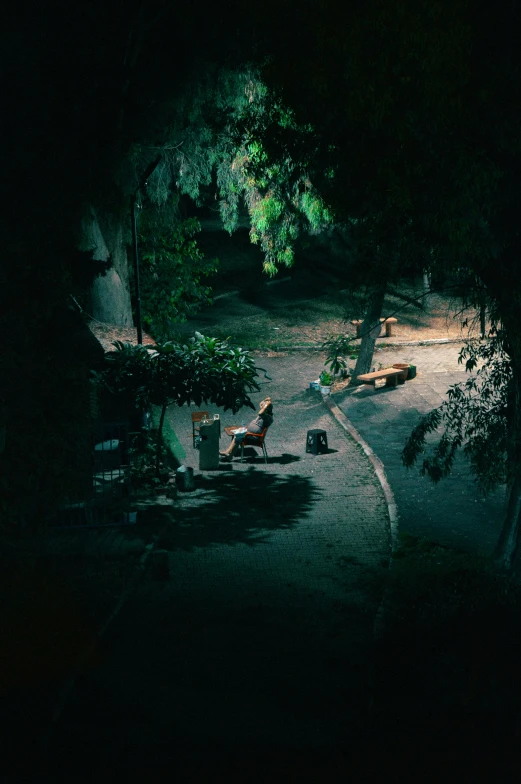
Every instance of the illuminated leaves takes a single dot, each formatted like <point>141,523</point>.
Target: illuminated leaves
<point>172,270</point>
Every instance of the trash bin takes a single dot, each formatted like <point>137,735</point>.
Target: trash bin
<point>209,433</point>
<point>184,477</point>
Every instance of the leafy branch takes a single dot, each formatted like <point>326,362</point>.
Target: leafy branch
<point>473,418</point>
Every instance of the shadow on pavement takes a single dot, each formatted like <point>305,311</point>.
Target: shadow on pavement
<point>234,507</point>
<point>311,398</point>
<point>452,512</point>
<point>363,391</point>
<point>284,459</point>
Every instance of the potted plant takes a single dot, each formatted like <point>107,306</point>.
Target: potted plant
<point>325,382</point>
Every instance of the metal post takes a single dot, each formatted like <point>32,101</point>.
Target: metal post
<point>150,169</point>
<point>136,271</point>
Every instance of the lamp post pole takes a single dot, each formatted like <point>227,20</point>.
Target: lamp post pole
<point>133,215</point>
<point>136,270</point>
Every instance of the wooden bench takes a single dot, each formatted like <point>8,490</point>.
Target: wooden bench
<point>392,377</point>
<point>388,326</point>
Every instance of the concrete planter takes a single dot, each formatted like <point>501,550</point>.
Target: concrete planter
<point>405,368</point>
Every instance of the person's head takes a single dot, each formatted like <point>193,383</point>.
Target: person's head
<point>266,406</point>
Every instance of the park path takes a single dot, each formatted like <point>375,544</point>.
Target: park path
<point>258,642</point>
<point>451,513</point>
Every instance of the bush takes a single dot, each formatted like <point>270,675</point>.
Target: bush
<point>202,370</point>
<point>337,347</point>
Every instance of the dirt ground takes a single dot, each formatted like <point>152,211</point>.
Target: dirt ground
<point>301,306</point>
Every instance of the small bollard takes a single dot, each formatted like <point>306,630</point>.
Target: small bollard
<point>316,442</point>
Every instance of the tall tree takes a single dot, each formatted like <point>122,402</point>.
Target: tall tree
<point>419,134</point>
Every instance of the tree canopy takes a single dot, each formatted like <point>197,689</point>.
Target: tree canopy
<point>395,123</point>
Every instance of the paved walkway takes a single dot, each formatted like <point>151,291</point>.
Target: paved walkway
<point>259,639</point>
<point>452,512</point>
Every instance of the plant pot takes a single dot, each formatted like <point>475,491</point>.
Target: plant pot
<point>325,390</point>
<point>405,368</point>
<point>412,371</point>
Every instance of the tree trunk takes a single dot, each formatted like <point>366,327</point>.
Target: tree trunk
<point>159,437</point>
<point>427,283</point>
<point>369,331</point>
<point>110,293</point>
<point>482,320</point>
<point>507,549</point>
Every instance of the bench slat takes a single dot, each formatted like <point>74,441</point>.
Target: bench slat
<point>380,374</point>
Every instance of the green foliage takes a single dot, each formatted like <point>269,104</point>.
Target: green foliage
<point>336,348</point>
<point>204,369</point>
<point>129,375</point>
<point>326,379</point>
<point>315,210</point>
<point>172,270</point>
<point>473,418</point>
<point>142,454</point>
<point>227,125</point>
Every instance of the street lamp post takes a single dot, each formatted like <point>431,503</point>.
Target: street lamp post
<point>133,215</point>
<point>136,271</point>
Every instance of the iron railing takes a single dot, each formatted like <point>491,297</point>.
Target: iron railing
<point>108,499</point>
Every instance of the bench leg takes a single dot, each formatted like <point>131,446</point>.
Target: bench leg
<point>388,330</point>
<point>391,381</point>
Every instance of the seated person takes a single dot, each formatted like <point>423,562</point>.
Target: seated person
<point>263,420</point>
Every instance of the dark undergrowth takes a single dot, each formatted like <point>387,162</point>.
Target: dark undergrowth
<point>446,685</point>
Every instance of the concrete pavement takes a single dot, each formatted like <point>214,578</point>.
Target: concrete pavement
<point>453,512</point>
<point>258,642</point>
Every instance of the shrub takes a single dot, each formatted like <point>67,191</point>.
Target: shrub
<point>337,347</point>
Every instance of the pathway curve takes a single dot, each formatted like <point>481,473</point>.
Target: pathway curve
<point>453,512</point>
<point>258,641</point>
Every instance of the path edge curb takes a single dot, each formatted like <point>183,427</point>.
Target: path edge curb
<point>392,509</point>
<point>377,464</point>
